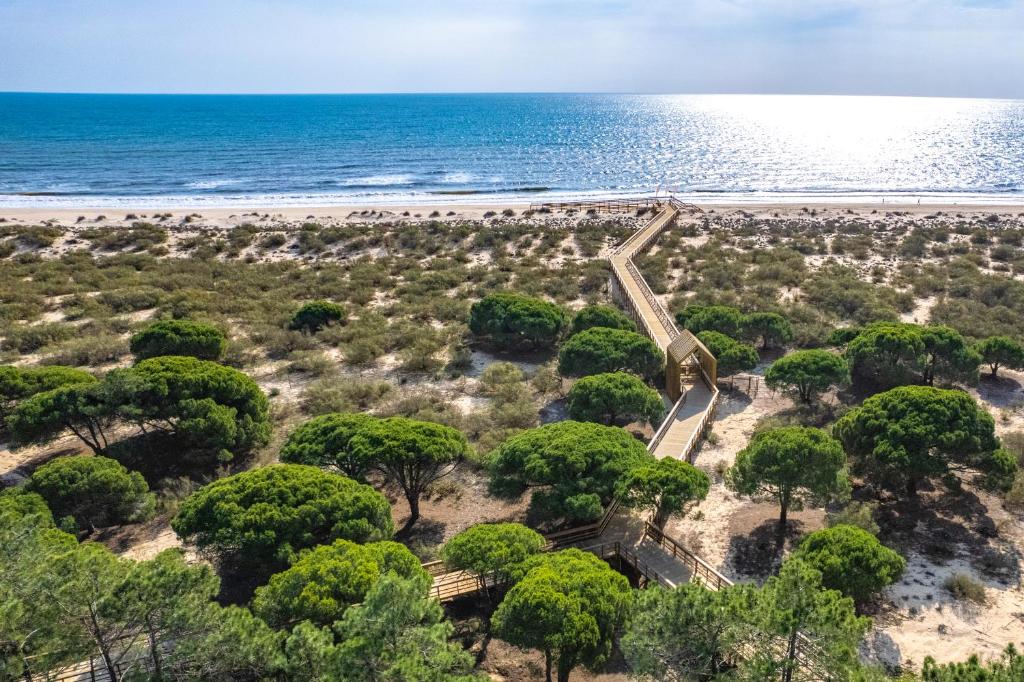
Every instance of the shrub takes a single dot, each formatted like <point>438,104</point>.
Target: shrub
<point>315,315</point>
<point>18,383</point>
<point>94,491</point>
<point>715,318</point>
<point>1001,351</point>
<point>965,588</point>
<point>179,337</point>
<point>325,441</point>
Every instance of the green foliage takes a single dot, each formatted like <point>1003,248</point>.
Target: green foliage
<point>179,337</point>
<point>614,397</point>
<point>397,633</point>
<point>665,487</point>
<point>326,580</point>
<point>771,329</point>
<point>791,465</point>
<point>412,454</point>
<point>86,409</point>
<point>198,405</point>
<point>965,588</point>
<point>19,504</point>
<point>512,320</point>
<point>913,433</point>
<point>325,441</point>
<point>264,517</point>
<point>600,349</point>
<point>688,633</point>
<point>601,316</point>
<point>805,374</point>
<point>887,353</point>
<point>194,406</point>
<point>792,604</point>
<point>1000,351</point>
<point>859,514</point>
<point>573,466</point>
<point>492,550</point>
<point>851,560</point>
<point>569,605</point>
<point>18,383</point>
<point>896,353</point>
<point>715,318</point>
<point>732,355</point>
<point>1008,668</point>
<point>95,491</point>
<point>313,316</point>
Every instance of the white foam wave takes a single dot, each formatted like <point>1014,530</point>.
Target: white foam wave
<point>211,184</point>
<point>379,180</point>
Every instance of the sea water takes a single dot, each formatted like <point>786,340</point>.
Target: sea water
<point>68,150</point>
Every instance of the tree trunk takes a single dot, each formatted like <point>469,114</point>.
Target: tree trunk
<point>783,514</point>
<point>547,666</point>
<point>995,368</point>
<point>414,512</point>
<point>912,487</point>
<point>787,672</point>
<point>563,672</point>
<point>154,653</point>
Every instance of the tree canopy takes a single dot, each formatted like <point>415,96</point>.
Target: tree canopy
<point>411,453</point>
<point>1000,351</point>
<point>326,580</point>
<point>600,349</point>
<point>396,633</point>
<point>570,605</point>
<point>851,560</point>
<point>197,404</point>
<point>325,441</point>
<point>805,374</point>
<point>1007,668</point>
<point>179,337</point>
<point>910,434</point>
<point>601,316</point>
<point>896,353</point>
<point>574,466</point>
<point>791,465</point>
<point>771,329</point>
<point>664,487</point>
<point>94,491</point>
<point>614,397</point>
<point>194,407</point>
<point>492,550</point>
<point>313,316</point>
<point>18,383</point>
<point>732,355</point>
<point>715,318</point>
<point>512,320</point>
<point>265,516</point>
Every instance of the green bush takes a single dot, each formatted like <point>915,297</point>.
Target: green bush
<point>264,517</point>
<point>94,491</point>
<point>851,560</point>
<point>313,316</point>
<point>512,320</point>
<point>600,350</point>
<point>601,316</point>
<point>179,337</point>
<point>732,355</point>
<point>614,397</point>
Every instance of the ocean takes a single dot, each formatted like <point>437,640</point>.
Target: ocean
<point>68,150</point>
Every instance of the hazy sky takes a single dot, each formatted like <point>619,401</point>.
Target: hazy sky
<point>912,47</point>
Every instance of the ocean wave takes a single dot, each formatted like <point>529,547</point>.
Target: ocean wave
<point>392,180</point>
<point>212,184</point>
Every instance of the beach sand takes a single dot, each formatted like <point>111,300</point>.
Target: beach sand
<point>229,216</point>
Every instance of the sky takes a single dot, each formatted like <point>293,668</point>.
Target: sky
<point>969,48</point>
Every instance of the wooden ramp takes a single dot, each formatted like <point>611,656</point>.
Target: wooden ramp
<point>686,423</point>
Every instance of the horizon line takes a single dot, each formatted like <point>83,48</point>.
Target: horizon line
<point>439,93</point>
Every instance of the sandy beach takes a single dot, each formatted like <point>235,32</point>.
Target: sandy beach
<point>229,216</point>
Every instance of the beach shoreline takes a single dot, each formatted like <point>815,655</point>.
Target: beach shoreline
<point>456,211</point>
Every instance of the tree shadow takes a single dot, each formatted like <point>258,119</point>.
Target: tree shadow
<point>759,553</point>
